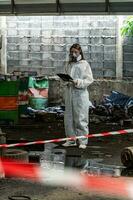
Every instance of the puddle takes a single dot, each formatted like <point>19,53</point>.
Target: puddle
<point>102,169</point>
<point>91,164</point>
<point>75,161</point>
<point>94,166</point>
<point>79,161</point>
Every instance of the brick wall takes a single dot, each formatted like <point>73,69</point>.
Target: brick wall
<point>128,57</point>
<point>42,43</point>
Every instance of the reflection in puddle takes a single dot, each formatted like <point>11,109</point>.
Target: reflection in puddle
<point>93,166</point>
<point>88,162</point>
<point>102,169</point>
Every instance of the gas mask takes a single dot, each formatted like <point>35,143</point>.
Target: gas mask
<point>74,57</point>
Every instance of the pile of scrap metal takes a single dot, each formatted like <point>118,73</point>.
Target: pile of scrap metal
<point>114,108</point>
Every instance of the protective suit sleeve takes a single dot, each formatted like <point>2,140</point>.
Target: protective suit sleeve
<point>88,78</point>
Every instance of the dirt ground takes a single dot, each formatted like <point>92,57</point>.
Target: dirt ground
<point>39,192</point>
<point>107,149</point>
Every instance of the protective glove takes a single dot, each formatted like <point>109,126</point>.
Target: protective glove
<point>69,84</point>
<point>75,82</point>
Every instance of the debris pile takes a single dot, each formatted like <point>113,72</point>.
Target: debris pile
<point>115,108</point>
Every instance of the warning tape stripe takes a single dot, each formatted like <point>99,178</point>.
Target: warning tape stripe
<point>120,187</point>
<point>105,134</point>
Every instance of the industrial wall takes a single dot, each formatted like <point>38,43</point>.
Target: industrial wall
<point>96,90</point>
<point>128,57</point>
<point>42,43</point>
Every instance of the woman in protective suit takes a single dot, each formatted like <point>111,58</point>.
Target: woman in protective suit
<point>77,97</point>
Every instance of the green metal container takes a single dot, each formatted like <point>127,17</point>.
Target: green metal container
<point>11,115</point>
<point>33,83</point>
<point>38,103</point>
<point>9,88</point>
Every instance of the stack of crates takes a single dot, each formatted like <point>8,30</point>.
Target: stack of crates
<point>9,100</point>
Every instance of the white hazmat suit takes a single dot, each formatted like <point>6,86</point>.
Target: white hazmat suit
<point>77,100</point>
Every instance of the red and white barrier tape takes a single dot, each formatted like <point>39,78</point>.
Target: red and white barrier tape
<point>119,132</point>
<point>119,187</point>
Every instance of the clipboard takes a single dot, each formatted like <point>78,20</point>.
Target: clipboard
<point>65,77</point>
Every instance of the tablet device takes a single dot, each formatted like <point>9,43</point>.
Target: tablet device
<point>65,77</point>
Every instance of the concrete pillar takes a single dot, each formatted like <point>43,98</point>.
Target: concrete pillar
<point>3,56</point>
<point>119,49</point>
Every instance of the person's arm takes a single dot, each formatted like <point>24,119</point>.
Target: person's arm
<point>84,83</point>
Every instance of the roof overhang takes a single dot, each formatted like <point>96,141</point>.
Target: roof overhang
<point>65,7</point>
